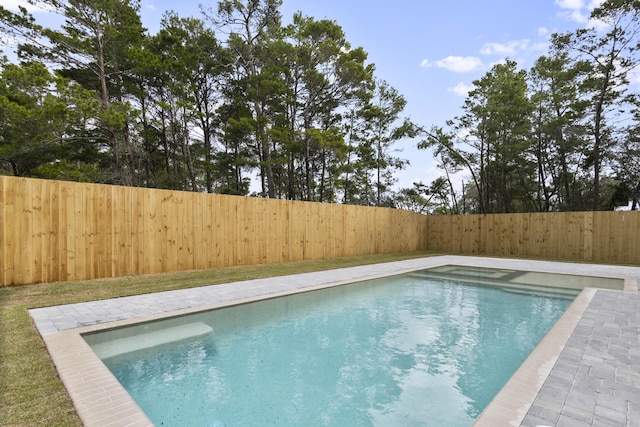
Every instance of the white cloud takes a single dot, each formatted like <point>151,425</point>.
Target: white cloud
<point>579,11</point>
<point>8,41</point>
<point>461,89</point>
<point>504,49</point>
<point>570,4</point>
<point>457,64</point>
<point>598,25</point>
<point>150,6</point>
<point>463,133</point>
<point>579,17</point>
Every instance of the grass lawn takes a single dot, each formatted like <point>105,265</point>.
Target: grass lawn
<point>33,395</point>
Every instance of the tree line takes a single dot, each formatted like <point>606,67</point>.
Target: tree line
<point>208,102</point>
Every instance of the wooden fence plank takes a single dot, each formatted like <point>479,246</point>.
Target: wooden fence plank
<point>137,230</point>
<point>149,232</point>
<point>66,249</point>
<point>456,234</point>
<point>539,234</point>
<point>89,230</point>
<point>244,230</point>
<point>3,229</point>
<point>107,241</point>
<point>20,231</point>
<point>292,233</point>
<point>206,220</point>
<point>169,238</point>
<point>634,237</point>
<point>271,236</point>
<point>38,238</point>
<point>617,238</point>
<point>340,228</point>
<point>600,238</point>
<point>262,229</point>
<point>569,246</point>
<point>285,222</point>
<point>552,232</point>
<point>586,240</point>
<point>176,218</point>
<point>491,235</point>
<point>302,225</point>
<point>48,232</point>
<point>319,228</point>
<point>94,202</point>
<point>218,236</point>
<point>216,256</point>
<point>229,235</point>
<point>187,230</point>
<point>77,231</point>
<point>196,231</point>
<point>525,242</point>
<point>54,242</point>
<point>9,240</point>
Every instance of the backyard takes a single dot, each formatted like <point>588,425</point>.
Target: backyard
<point>32,394</point>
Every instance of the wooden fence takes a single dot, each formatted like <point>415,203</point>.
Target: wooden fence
<point>605,237</point>
<point>59,231</point>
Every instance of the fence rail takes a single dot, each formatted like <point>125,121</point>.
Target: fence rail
<point>59,231</point>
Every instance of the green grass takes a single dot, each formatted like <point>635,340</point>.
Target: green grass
<point>32,393</point>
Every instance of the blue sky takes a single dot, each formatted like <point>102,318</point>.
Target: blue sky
<point>430,50</point>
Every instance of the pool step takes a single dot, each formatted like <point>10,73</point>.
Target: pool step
<point>506,286</point>
<point>145,340</point>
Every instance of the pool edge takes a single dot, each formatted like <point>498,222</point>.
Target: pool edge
<point>99,399</point>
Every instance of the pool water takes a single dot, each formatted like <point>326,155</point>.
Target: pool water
<point>398,351</point>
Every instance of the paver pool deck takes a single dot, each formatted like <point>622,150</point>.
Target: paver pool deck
<point>585,372</point>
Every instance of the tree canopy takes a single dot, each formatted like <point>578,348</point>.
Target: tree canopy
<point>208,103</point>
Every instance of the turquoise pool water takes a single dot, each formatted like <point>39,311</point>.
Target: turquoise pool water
<point>397,351</point>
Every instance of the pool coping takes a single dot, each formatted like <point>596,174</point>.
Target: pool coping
<point>100,400</point>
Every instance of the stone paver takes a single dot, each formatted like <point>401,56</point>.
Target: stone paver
<point>599,368</point>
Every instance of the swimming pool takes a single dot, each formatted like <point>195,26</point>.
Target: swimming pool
<point>423,348</point>
<point>100,399</point>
